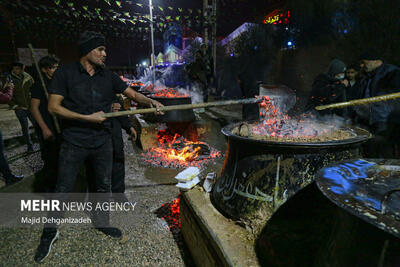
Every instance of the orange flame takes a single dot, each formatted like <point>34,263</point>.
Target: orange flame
<point>175,151</point>
<point>169,92</point>
<point>277,124</point>
<point>137,84</point>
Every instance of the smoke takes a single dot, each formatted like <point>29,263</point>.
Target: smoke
<point>196,93</point>
<point>279,124</point>
<point>282,97</point>
<point>166,76</point>
<point>147,76</point>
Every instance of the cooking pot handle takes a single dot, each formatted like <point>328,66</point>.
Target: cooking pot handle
<point>386,197</point>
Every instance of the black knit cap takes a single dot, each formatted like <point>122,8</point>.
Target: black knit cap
<point>335,67</point>
<point>370,54</point>
<point>90,40</point>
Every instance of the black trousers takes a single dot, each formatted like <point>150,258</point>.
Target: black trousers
<point>23,115</point>
<point>71,160</point>
<point>50,157</point>
<point>117,176</point>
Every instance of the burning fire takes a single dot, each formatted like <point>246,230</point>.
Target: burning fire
<point>131,82</point>
<point>175,151</point>
<point>279,125</point>
<point>137,84</point>
<point>161,91</point>
<point>169,92</point>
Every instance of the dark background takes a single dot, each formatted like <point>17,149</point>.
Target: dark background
<point>319,29</point>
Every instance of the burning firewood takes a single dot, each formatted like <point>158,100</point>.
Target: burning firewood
<point>175,151</point>
<point>279,127</point>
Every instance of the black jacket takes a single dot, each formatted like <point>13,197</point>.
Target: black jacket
<point>353,92</point>
<point>326,90</point>
<point>384,80</point>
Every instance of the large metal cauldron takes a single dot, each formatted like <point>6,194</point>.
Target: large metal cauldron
<point>259,176</point>
<point>174,115</point>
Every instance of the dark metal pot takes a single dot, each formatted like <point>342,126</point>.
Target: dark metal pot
<point>174,115</point>
<point>259,176</point>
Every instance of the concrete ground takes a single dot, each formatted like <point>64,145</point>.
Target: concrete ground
<point>148,241</point>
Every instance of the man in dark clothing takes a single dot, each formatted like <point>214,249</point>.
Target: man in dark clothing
<point>21,100</point>
<point>328,88</point>
<point>197,72</point>
<point>47,133</point>
<point>208,62</point>
<point>118,168</point>
<point>5,96</point>
<point>381,79</point>
<point>81,93</point>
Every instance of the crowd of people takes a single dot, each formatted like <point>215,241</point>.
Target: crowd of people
<point>371,77</point>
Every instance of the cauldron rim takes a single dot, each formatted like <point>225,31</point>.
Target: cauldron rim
<point>362,136</point>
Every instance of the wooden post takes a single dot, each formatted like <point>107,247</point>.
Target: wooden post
<point>205,18</point>
<point>214,36</point>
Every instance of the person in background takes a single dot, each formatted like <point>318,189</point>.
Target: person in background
<point>118,166</point>
<point>6,93</point>
<point>21,100</point>
<point>47,131</point>
<point>328,88</point>
<point>353,89</point>
<point>197,72</point>
<point>139,70</point>
<point>8,176</point>
<point>381,78</point>
<point>208,62</point>
<point>5,96</point>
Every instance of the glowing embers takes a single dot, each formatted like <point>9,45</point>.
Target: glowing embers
<point>136,84</point>
<point>163,91</point>
<point>171,214</point>
<point>175,151</point>
<point>168,92</point>
<point>276,126</point>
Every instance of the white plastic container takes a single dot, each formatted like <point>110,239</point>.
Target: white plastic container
<point>188,174</point>
<point>189,184</point>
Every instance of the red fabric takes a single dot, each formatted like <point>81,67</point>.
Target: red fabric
<point>6,95</point>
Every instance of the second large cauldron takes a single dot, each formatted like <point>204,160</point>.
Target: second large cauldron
<point>173,115</point>
<point>259,176</point>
